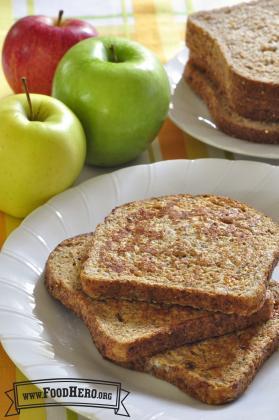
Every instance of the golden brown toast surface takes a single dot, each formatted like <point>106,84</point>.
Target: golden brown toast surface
<point>204,251</point>
<point>124,330</point>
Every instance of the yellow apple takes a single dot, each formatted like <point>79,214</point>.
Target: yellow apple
<point>39,156</point>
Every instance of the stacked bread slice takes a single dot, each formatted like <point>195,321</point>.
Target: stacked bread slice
<point>177,286</point>
<point>234,66</point>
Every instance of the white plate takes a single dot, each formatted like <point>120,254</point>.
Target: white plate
<point>47,341</point>
<point>190,114</point>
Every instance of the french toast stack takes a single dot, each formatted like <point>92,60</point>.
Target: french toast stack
<point>234,67</point>
<point>177,286</point>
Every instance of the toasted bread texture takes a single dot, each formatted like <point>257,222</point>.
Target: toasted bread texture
<point>238,46</point>
<point>124,331</point>
<point>207,252</point>
<point>225,117</point>
<point>218,370</point>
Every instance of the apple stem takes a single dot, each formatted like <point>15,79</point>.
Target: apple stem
<point>113,53</point>
<point>60,14</point>
<point>25,88</point>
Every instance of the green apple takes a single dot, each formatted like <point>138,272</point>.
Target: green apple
<point>120,92</point>
<point>40,155</point>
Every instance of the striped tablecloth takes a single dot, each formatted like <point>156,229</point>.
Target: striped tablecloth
<point>159,25</point>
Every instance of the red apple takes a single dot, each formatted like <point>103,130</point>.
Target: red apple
<point>34,46</point>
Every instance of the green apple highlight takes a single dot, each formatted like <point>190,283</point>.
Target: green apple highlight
<point>120,92</point>
<point>40,157</point>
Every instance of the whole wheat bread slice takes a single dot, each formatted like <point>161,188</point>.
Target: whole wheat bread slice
<point>124,330</point>
<point>203,251</point>
<point>238,46</point>
<point>218,370</point>
<point>224,116</point>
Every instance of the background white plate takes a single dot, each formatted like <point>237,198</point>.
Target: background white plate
<point>46,341</point>
<point>190,114</point>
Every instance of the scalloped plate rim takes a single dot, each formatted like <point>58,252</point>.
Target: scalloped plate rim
<point>209,161</point>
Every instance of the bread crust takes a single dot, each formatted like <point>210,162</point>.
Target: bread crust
<point>252,98</point>
<point>167,328</point>
<point>226,119</point>
<point>203,390</point>
<point>214,371</point>
<point>104,281</point>
<point>218,370</point>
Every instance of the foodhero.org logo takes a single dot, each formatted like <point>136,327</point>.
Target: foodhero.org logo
<point>69,392</point>
<point>73,392</point>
